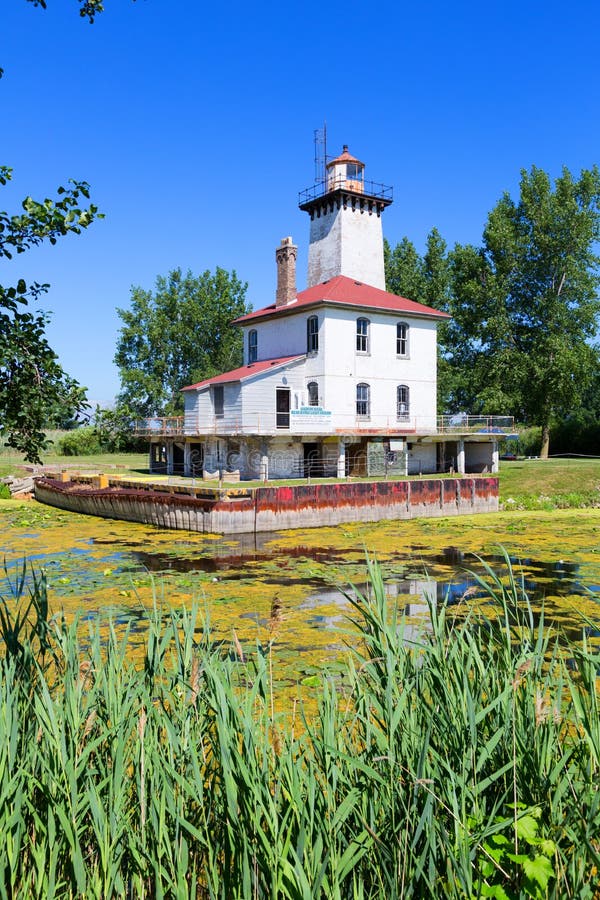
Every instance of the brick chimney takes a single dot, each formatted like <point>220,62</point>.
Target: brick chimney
<point>285,256</point>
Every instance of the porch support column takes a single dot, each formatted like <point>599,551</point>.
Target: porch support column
<point>460,457</point>
<point>244,461</point>
<point>495,457</point>
<point>264,460</point>
<point>341,461</point>
<point>169,457</point>
<point>187,459</point>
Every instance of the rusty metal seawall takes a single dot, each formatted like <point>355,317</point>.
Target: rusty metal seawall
<point>245,510</point>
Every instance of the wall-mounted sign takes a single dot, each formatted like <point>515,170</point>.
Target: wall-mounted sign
<point>311,411</point>
<point>313,417</point>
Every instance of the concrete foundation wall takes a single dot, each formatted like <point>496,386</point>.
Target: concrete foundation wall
<point>422,459</point>
<point>479,456</point>
<point>271,508</point>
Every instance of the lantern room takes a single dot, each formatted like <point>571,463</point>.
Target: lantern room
<point>346,172</point>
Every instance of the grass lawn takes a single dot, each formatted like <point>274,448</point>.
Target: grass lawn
<point>549,478</point>
<point>527,483</point>
<point>12,462</point>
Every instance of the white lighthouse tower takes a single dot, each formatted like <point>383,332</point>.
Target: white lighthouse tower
<point>346,237</point>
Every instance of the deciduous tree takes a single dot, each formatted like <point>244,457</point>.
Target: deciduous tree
<point>177,334</point>
<point>33,387</point>
<point>524,303</point>
<point>426,279</point>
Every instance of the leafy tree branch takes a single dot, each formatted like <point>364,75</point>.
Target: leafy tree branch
<point>33,387</point>
<point>178,334</point>
<point>524,304</point>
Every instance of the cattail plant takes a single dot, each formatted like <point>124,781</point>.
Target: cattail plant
<point>460,763</point>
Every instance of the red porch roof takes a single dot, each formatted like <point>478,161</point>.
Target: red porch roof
<point>244,372</point>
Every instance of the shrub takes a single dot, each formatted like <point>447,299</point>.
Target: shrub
<point>4,492</point>
<point>530,441</point>
<point>115,428</point>
<point>79,442</point>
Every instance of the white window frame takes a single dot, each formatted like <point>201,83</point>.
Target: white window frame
<point>403,402</point>
<point>252,345</point>
<point>363,400</point>
<point>312,334</point>
<point>402,345</point>
<point>363,335</point>
<point>218,392</point>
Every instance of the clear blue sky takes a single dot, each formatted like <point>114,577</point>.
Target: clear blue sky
<point>193,123</point>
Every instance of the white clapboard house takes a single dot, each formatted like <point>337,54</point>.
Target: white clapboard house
<point>338,379</point>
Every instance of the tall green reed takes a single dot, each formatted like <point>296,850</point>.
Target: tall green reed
<point>462,763</point>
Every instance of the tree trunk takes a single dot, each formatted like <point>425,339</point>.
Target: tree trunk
<point>545,441</point>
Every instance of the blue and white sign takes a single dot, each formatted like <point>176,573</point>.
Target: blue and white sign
<point>311,418</point>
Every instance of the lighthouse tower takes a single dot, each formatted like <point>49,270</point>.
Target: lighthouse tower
<point>346,237</point>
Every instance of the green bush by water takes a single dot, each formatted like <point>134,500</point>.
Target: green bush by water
<point>82,441</point>
<point>463,765</point>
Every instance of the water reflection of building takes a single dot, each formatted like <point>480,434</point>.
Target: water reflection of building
<point>414,598</point>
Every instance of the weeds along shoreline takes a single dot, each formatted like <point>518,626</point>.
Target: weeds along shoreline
<point>463,765</point>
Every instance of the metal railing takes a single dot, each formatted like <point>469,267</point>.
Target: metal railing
<point>156,426</point>
<point>461,423</point>
<point>341,183</point>
<point>274,425</point>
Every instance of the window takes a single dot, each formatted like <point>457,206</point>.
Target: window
<point>362,335</point>
<point>218,393</point>
<point>282,407</point>
<point>313,393</point>
<point>312,334</point>
<point>354,172</point>
<point>402,339</point>
<point>402,402</point>
<point>363,401</point>
<point>252,346</point>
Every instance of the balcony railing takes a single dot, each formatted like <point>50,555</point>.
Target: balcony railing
<point>158,425</point>
<point>461,423</point>
<point>328,423</point>
<point>341,183</point>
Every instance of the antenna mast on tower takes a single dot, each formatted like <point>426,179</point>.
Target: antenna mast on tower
<point>320,153</point>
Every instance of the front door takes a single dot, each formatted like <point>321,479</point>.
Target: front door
<point>283,407</point>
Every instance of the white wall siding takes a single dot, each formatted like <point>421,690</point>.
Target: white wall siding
<point>380,368</point>
<point>259,397</point>
<point>232,409</point>
<point>337,368</point>
<point>285,336</point>
<point>190,412</point>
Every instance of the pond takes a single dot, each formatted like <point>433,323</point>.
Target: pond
<point>287,587</point>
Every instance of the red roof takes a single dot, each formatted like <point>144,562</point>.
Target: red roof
<point>244,372</point>
<point>344,157</point>
<point>344,291</point>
